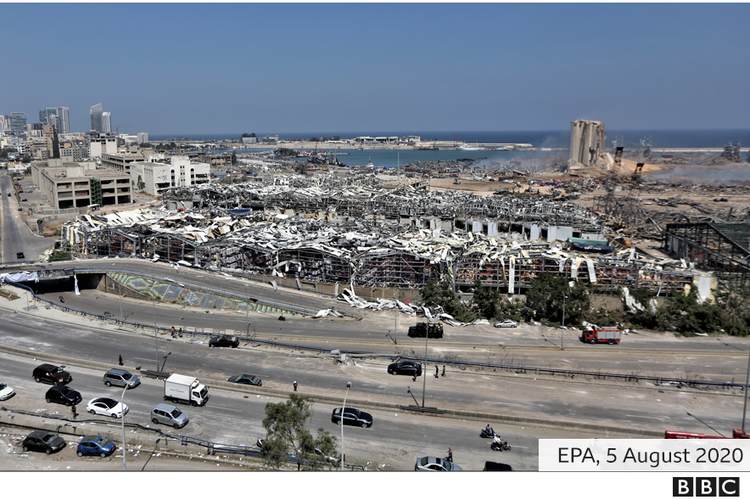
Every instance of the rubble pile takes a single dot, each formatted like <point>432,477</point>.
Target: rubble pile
<point>631,216</point>
<point>351,231</point>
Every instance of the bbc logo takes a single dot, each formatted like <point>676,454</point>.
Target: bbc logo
<point>705,486</point>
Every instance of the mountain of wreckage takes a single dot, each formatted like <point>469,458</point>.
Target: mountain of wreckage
<point>354,232</point>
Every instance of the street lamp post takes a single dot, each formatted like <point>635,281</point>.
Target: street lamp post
<point>122,400</point>
<point>424,364</point>
<point>119,294</point>
<point>341,423</point>
<point>562,329</point>
<point>156,335</point>
<point>747,378</point>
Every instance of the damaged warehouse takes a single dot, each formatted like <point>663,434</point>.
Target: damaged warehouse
<point>355,233</point>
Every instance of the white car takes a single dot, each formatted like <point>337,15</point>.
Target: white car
<point>6,392</point>
<point>106,406</point>
<point>508,323</point>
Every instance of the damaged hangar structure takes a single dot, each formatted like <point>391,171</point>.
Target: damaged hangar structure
<point>351,231</point>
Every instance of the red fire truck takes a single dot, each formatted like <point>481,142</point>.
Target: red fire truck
<point>736,434</point>
<point>593,334</point>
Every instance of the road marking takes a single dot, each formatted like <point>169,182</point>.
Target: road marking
<point>225,408</point>
<point>644,416</point>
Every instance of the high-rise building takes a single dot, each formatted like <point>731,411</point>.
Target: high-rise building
<point>48,115</point>
<point>63,121</point>
<point>57,117</point>
<point>18,123</point>
<point>50,138</point>
<point>106,122</point>
<point>96,118</point>
<point>142,137</point>
<point>4,123</point>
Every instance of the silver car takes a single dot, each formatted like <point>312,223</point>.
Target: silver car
<point>121,378</point>
<point>169,415</point>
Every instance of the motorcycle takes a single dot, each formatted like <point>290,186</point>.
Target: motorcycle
<point>62,299</point>
<point>487,434</point>
<point>502,446</point>
<point>282,318</point>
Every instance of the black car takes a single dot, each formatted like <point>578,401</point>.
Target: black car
<point>20,255</point>
<point>64,395</point>
<point>352,416</point>
<point>411,368</point>
<point>223,341</point>
<point>45,441</point>
<point>246,379</point>
<point>51,374</point>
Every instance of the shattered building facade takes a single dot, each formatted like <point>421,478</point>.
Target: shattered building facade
<point>334,230</point>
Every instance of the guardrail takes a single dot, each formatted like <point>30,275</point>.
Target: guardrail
<point>212,448</point>
<point>678,382</point>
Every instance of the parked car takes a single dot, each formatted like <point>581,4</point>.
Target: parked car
<point>45,441</point>
<point>223,341</point>
<point>63,395</point>
<point>435,464</point>
<point>121,378</point>
<point>95,446</point>
<point>245,379</point>
<point>352,416</point>
<point>20,255</point>
<point>51,374</point>
<point>169,415</point>
<point>6,392</point>
<point>106,406</point>
<point>497,466</point>
<point>411,368</point>
<point>507,323</point>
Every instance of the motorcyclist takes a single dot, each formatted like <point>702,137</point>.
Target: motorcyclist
<point>498,440</point>
<point>62,299</point>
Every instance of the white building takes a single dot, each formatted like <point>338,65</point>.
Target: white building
<point>142,138</point>
<point>102,144</point>
<point>157,175</point>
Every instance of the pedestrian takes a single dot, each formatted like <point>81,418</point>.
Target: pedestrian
<point>74,411</point>
<point>450,454</point>
<point>295,386</point>
<point>174,333</point>
<point>119,359</point>
<point>443,370</point>
<point>437,371</point>
<point>180,332</point>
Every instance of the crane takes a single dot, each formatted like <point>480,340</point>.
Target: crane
<point>117,128</point>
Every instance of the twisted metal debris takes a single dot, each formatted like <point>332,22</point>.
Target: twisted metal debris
<point>349,230</point>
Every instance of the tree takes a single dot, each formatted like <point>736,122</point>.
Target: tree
<point>442,294</point>
<point>547,297</point>
<point>286,433</point>
<point>486,299</point>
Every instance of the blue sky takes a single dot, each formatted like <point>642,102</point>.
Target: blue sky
<point>313,68</point>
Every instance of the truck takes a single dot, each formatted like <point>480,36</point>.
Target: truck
<point>185,389</point>
<point>593,334</point>
<point>431,330</point>
<point>736,434</point>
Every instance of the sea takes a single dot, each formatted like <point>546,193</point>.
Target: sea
<point>543,140</point>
